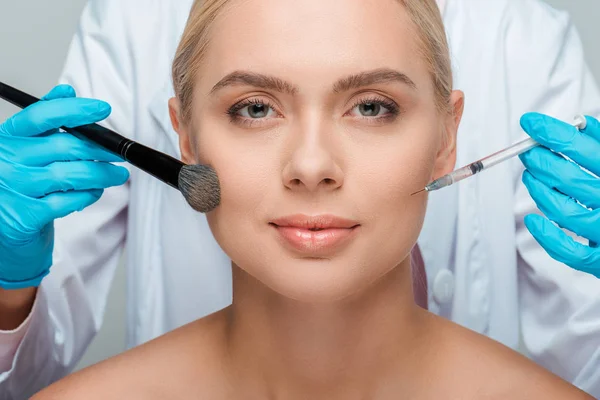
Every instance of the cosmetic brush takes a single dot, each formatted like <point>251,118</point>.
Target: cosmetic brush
<point>199,184</point>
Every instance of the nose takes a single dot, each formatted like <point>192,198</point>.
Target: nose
<point>312,165</point>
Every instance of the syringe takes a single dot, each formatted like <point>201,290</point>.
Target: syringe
<point>491,160</point>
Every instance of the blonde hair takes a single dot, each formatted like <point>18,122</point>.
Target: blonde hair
<point>425,14</point>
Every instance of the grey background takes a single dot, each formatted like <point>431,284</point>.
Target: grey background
<point>34,38</point>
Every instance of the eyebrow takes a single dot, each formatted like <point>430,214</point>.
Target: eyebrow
<point>382,75</point>
<point>256,80</point>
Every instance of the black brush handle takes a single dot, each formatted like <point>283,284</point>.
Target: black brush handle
<point>155,163</point>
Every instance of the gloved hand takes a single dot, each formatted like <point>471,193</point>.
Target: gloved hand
<point>45,175</point>
<point>559,187</point>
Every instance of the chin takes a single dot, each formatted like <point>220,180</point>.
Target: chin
<point>316,281</point>
<point>312,276</point>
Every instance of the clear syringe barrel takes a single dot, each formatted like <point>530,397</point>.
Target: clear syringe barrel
<point>503,155</point>
<point>580,123</point>
<point>480,165</point>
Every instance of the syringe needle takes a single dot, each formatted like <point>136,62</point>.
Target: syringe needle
<point>420,191</point>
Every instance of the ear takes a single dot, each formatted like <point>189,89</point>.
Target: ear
<point>446,157</point>
<point>186,145</point>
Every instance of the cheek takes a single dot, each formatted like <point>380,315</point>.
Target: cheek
<point>396,169</point>
<point>400,215</point>
<point>244,177</point>
<point>243,172</point>
<point>385,184</point>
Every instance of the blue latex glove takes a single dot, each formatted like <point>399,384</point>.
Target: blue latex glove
<point>557,185</point>
<point>45,175</point>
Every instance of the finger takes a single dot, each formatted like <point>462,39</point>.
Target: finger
<point>563,248</point>
<point>15,213</point>
<point>30,216</point>
<point>45,116</point>
<point>40,151</point>
<point>592,128</point>
<point>564,138</point>
<point>60,92</point>
<point>60,204</point>
<point>37,182</point>
<point>557,172</point>
<point>563,210</point>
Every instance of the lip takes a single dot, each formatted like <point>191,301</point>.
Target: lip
<point>315,235</point>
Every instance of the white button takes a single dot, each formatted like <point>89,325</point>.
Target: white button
<point>443,286</point>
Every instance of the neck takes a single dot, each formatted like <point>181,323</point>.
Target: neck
<point>281,346</point>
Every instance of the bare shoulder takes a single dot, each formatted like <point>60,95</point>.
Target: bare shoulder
<point>183,363</point>
<point>491,370</point>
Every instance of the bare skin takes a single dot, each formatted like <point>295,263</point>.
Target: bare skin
<point>15,306</point>
<point>191,363</point>
<point>229,355</point>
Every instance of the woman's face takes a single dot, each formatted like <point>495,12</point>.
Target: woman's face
<point>320,120</point>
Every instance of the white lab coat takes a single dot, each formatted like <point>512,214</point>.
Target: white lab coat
<point>484,269</point>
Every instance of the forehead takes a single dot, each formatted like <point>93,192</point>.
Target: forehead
<point>312,38</point>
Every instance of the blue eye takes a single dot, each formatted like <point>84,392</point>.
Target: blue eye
<point>374,108</point>
<point>370,109</point>
<point>251,109</point>
<point>256,111</point>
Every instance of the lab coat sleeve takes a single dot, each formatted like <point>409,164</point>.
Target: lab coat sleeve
<point>71,300</point>
<point>559,307</point>
<point>10,340</point>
